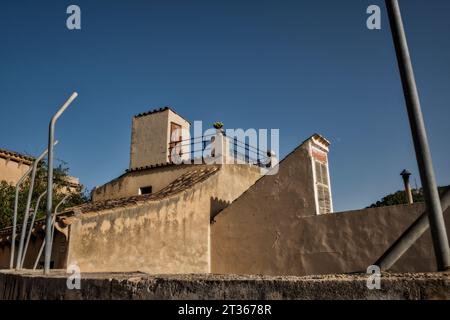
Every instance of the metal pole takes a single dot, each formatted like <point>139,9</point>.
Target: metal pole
<point>27,207</point>
<point>423,154</point>
<point>409,237</point>
<point>39,254</point>
<point>52,233</point>
<point>51,137</point>
<point>36,208</point>
<point>16,204</point>
<point>405,176</point>
<point>54,219</point>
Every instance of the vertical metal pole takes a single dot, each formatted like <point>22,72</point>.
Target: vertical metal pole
<point>16,204</point>
<point>27,207</point>
<point>51,137</point>
<point>423,154</point>
<point>408,194</point>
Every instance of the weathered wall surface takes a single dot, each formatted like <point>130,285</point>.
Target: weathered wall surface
<point>275,243</point>
<point>165,236</point>
<point>59,252</point>
<point>128,184</point>
<point>254,222</point>
<point>146,129</point>
<point>134,286</point>
<point>150,137</point>
<point>12,171</point>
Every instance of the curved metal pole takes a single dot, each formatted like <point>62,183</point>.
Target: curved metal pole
<point>409,237</point>
<point>39,255</point>
<point>52,233</point>
<point>27,207</point>
<point>54,218</point>
<point>36,208</point>
<point>423,154</point>
<point>16,203</point>
<point>51,137</point>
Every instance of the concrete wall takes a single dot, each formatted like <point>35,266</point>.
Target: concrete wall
<point>166,236</point>
<point>128,184</point>
<point>136,286</point>
<point>275,243</point>
<point>11,171</point>
<point>59,252</point>
<point>150,137</point>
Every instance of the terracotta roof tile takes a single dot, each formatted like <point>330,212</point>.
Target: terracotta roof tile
<point>143,114</point>
<point>182,183</point>
<point>4,153</point>
<point>153,166</point>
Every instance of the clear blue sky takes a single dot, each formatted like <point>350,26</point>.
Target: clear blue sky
<point>300,66</point>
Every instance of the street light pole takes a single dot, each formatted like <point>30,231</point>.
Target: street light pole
<point>423,154</point>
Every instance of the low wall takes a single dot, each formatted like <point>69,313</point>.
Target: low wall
<point>142,286</point>
<point>275,243</point>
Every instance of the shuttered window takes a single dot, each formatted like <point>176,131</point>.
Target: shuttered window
<point>323,187</point>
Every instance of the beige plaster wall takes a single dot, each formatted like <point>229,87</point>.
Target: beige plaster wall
<point>128,184</point>
<point>12,171</point>
<point>166,236</point>
<point>150,136</point>
<point>273,242</point>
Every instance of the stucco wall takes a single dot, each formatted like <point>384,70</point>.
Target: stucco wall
<point>150,137</point>
<point>166,236</point>
<point>128,184</point>
<point>12,171</point>
<point>271,242</point>
<point>289,193</point>
<point>148,140</point>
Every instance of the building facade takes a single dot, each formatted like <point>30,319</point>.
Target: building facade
<point>161,217</point>
<point>13,165</point>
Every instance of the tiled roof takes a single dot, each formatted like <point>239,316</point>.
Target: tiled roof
<point>153,166</point>
<point>143,114</point>
<point>8,154</point>
<point>180,184</point>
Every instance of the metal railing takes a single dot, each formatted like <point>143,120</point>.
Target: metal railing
<point>204,146</point>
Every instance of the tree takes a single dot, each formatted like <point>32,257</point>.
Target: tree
<point>61,188</point>
<point>399,197</point>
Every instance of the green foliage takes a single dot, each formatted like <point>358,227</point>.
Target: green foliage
<point>7,195</point>
<point>218,125</point>
<point>399,197</point>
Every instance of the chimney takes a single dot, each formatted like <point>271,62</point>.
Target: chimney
<point>405,175</point>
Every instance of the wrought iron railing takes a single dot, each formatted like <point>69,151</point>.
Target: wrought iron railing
<point>204,147</point>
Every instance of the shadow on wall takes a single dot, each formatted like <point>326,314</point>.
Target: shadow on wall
<point>217,205</point>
